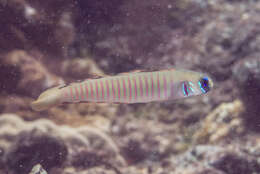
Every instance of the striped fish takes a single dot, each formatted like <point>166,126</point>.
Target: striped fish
<point>136,87</point>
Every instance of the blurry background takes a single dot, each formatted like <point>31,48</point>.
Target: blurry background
<point>46,43</point>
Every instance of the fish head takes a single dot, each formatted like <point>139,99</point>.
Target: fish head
<point>198,84</point>
<point>192,84</point>
<point>49,98</point>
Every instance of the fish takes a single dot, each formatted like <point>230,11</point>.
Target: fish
<point>131,87</point>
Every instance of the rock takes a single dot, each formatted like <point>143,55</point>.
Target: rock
<point>228,164</point>
<point>94,170</point>
<point>217,159</point>
<point>41,141</point>
<point>21,70</point>
<point>134,152</point>
<point>140,144</point>
<point>221,123</point>
<point>247,76</point>
<point>44,26</point>
<point>32,148</point>
<point>230,34</point>
<point>80,68</point>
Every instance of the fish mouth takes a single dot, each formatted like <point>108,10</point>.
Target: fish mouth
<point>40,105</point>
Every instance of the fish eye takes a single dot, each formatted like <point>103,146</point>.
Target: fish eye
<point>204,84</point>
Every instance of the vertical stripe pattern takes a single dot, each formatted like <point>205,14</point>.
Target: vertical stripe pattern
<point>130,89</point>
<point>118,88</point>
<point>143,87</point>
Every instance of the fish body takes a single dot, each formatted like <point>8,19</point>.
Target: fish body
<point>136,87</point>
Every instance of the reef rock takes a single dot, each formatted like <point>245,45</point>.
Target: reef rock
<point>46,26</point>
<point>41,141</point>
<point>80,68</point>
<point>221,123</point>
<point>217,159</point>
<point>34,147</point>
<point>20,70</point>
<point>247,76</point>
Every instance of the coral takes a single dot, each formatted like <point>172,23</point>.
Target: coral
<point>22,70</point>
<point>46,26</point>
<point>80,68</point>
<point>94,170</point>
<point>33,147</point>
<point>29,143</point>
<point>247,77</point>
<point>221,123</point>
<point>217,159</point>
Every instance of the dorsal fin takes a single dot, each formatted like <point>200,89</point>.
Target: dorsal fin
<point>96,76</point>
<point>93,76</point>
<point>126,73</point>
<point>63,86</point>
<point>149,70</point>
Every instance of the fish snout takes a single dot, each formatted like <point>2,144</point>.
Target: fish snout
<point>47,99</point>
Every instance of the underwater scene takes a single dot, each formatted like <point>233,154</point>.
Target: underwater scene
<point>129,87</point>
